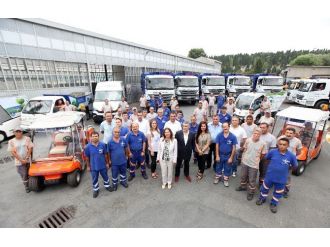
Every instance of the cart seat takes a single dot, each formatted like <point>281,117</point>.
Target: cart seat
<point>59,138</point>
<point>57,151</point>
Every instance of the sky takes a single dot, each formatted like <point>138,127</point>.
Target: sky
<point>219,27</point>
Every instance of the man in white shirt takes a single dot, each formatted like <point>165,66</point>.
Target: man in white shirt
<point>123,104</point>
<point>152,114</point>
<point>143,102</point>
<point>270,141</point>
<point>134,116</point>
<point>211,99</point>
<point>106,107</point>
<point>200,113</point>
<point>267,118</point>
<point>230,107</point>
<point>126,122</point>
<point>106,127</point>
<point>241,136</point>
<point>173,124</point>
<point>143,123</point>
<point>265,105</point>
<point>248,125</point>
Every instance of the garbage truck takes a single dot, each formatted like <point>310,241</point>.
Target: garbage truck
<point>211,83</point>
<point>267,83</point>
<point>186,87</point>
<point>237,84</point>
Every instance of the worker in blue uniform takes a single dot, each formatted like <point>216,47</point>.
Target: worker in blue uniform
<point>281,159</point>
<point>224,117</point>
<point>225,151</point>
<point>159,101</point>
<point>161,120</point>
<point>98,163</point>
<point>118,152</point>
<point>136,141</point>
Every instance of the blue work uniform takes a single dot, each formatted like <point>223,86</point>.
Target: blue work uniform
<point>226,145</point>
<point>193,128</point>
<point>96,155</point>
<point>181,120</point>
<point>135,142</point>
<point>161,123</point>
<point>277,174</point>
<point>152,103</point>
<point>129,113</point>
<point>166,112</point>
<point>220,101</point>
<point>224,118</point>
<point>117,151</point>
<point>159,102</point>
<point>124,131</point>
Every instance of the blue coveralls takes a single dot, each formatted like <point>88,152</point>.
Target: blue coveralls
<point>224,118</point>
<point>225,148</point>
<point>117,151</point>
<point>277,174</point>
<point>161,123</point>
<point>96,155</point>
<point>135,143</point>
<point>220,101</point>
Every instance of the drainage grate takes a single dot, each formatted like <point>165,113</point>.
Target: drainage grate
<point>58,218</point>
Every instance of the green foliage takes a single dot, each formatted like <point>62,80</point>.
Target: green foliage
<point>312,59</point>
<point>258,66</point>
<point>20,101</point>
<point>271,61</point>
<point>196,53</point>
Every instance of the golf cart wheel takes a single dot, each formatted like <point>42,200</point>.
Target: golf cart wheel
<point>2,136</point>
<point>35,184</point>
<point>73,178</point>
<point>300,169</point>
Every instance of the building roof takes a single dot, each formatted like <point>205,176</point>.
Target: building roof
<point>101,36</point>
<point>208,60</point>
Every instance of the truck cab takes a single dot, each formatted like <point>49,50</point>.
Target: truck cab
<point>293,87</point>
<point>314,93</point>
<point>186,87</point>
<point>212,83</point>
<point>237,84</point>
<point>111,90</point>
<point>153,83</point>
<point>267,83</point>
<point>37,107</point>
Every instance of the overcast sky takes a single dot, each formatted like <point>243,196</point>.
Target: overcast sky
<point>220,27</point>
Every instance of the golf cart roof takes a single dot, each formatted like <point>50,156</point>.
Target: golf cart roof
<point>301,113</point>
<point>58,120</point>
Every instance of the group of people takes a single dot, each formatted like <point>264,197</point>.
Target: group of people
<point>156,136</point>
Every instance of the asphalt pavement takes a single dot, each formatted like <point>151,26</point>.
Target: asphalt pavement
<point>145,204</point>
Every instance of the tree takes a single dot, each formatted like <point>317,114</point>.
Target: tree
<point>258,67</point>
<point>196,53</point>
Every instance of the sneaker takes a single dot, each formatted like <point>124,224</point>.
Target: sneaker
<point>125,184</point>
<point>144,175</point>
<point>130,178</point>
<point>188,178</point>
<point>273,208</point>
<point>216,180</point>
<point>285,194</point>
<point>240,188</point>
<point>259,202</point>
<point>95,193</point>
<point>163,186</point>
<point>234,174</point>
<point>176,179</point>
<point>27,190</point>
<point>112,188</point>
<point>169,186</point>
<point>226,183</point>
<point>249,197</point>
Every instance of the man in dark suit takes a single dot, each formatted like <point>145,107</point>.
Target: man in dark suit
<point>186,143</point>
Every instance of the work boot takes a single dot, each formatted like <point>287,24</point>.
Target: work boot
<point>176,179</point>
<point>249,197</point>
<point>216,180</point>
<point>273,208</point>
<point>95,193</point>
<point>124,184</point>
<point>240,188</point>
<point>285,194</point>
<point>144,175</point>
<point>130,178</point>
<point>110,189</point>
<point>260,202</point>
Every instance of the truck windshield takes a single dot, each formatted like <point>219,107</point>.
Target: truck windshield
<point>110,95</point>
<point>215,81</point>
<point>160,83</point>
<point>4,115</point>
<point>241,81</point>
<point>187,82</point>
<point>244,102</point>
<point>273,81</point>
<point>38,107</point>
<point>305,87</point>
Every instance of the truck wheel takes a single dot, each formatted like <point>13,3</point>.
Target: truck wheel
<point>73,178</point>
<point>319,104</point>
<point>2,136</point>
<point>300,169</point>
<point>36,184</point>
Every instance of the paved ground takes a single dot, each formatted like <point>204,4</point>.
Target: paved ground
<point>145,204</point>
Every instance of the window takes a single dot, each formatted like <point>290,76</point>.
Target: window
<point>318,87</point>
<point>10,37</point>
<point>28,39</point>
<point>57,44</point>
<point>44,42</point>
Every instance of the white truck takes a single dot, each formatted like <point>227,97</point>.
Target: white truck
<point>293,88</point>
<point>237,84</point>
<point>314,93</point>
<point>111,90</point>
<point>186,87</point>
<point>38,107</point>
<point>251,100</point>
<point>264,83</point>
<point>212,83</point>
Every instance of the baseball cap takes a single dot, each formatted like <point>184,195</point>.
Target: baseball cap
<point>18,128</point>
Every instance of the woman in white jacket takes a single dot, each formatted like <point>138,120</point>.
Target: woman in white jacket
<point>166,156</point>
